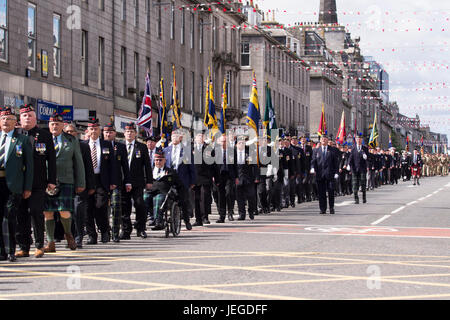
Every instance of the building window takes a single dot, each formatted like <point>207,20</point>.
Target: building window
<point>200,35</point>
<point>101,5</point>
<point>233,41</point>
<point>136,13</point>
<point>84,57</point>
<point>147,65</point>
<point>158,19</point>
<point>101,63</point>
<point>159,69</point>
<point>192,24</point>
<point>123,69</point>
<point>225,37</point>
<point>202,94</point>
<point>192,90</point>
<point>245,97</point>
<point>123,15</point>
<point>172,20</point>
<point>215,32</point>
<point>147,13</point>
<point>136,73</point>
<point>183,26</point>
<point>4,30</point>
<point>56,45</point>
<point>245,54</point>
<point>31,36</point>
<point>182,89</point>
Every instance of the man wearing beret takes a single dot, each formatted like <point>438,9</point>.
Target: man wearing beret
<point>140,178</point>
<point>31,210</point>
<point>102,157</point>
<point>16,180</point>
<point>71,180</point>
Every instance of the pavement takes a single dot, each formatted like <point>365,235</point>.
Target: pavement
<point>394,247</point>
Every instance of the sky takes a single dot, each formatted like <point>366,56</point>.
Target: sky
<point>410,38</point>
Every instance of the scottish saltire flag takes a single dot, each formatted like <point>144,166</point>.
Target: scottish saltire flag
<point>144,120</point>
<point>162,121</point>
<point>223,119</point>
<point>374,134</point>
<point>269,121</point>
<point>175,104</point>
<point>341,135</point>
<point>323,123</point>
<point>253,115</point>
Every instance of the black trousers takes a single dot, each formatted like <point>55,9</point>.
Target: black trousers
<point>306,186</point>
<point>137,195</point>
<point>263,198</point>
<point>325,186</point>
<point>97,210</point>
<point>246,192</point>
<point>225,191</point>
<point>9,204</point>
<point>203,202</point>
<point>80,214</point>
<point>31,211</point>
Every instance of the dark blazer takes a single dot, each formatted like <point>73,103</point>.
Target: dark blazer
<point>122,168</point>
<point>308,151</point>
<point>204,171</point>
<point>326,166</point>
<point>246,173</point>
<point>44,157</point>
<point>140,168</point>
<point>186,171</point>
<point>19,164</point>
<point>356,160</point>
<point>88,169</point>
<point>299,159</point>
<point>418,160</point>
<point>224,171</point>
<point>107,164</point>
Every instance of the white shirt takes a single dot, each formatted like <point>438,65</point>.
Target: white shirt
<point>176,152</point>
<point>99,153</point>
<point>241,157</point>
<point>158,173</point>
<point>7,142</point>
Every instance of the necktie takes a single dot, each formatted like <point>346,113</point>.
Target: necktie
<point>55,141</point>
<point>2,151</point>
<point>94,156</point>
<point>130,145</point>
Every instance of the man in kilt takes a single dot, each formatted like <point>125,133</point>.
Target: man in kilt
<point>70,179</point>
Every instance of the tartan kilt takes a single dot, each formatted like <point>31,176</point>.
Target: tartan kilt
<point>63,201</point>
<point>358,183</point>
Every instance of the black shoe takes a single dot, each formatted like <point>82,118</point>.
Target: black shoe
<point>241,218</point>
<point>323,212</point>
<point>197,224</point>
<point>158,226</point>
<point>206,221</point>
<point>116,239</point>
<point>91,240</point>
<point>11,258</point>
<point>188,225</point>
<point>251,216</point>
<point>331,211</point>
<point>278,209</point>
<point>2,257</point>
<point>79,245</point>
<point>230,217</point>
<point>106,237</point>
<point>293,204</point>
<point>142,234</point>
<point>124,236</point>
<point>220,221</point>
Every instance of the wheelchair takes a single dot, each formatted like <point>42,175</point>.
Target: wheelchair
<point>172,213</point>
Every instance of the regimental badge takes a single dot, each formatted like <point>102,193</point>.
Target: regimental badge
<point>119,157</point>
<point>299,156</point>
<point>138,153</point>
<point>169,179</point>
<point>19,150</point>
<point>40,148</point>
<point>105,151</point>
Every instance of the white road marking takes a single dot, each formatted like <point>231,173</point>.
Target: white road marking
<point>420,199</point>
<point>447,185</point>
<point>380,220</point>
<point>428,195</point>
<point>345,203</point>
<point>411,203</point>
<point>399,209</point>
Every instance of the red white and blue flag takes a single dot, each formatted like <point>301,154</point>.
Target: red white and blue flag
<point>144,120</point>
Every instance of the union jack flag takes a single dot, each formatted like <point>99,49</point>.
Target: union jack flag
<point>144,120</point>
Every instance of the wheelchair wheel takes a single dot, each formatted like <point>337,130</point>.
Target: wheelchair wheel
<point>175,219</point>
<point>167,224</point>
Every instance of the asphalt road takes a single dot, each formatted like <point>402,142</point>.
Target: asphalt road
<point>394,247</point>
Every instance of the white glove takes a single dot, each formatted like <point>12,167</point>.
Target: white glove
<point>364,156</point>
<point>312,171</point>
<point>348,167</point>
<point>336,176</point>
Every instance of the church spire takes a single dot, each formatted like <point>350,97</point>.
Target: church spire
<point>328,12</point>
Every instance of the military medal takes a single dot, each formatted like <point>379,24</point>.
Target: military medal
<point>19,150</point>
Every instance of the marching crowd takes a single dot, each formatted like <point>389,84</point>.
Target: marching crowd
<point>54,185</point>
